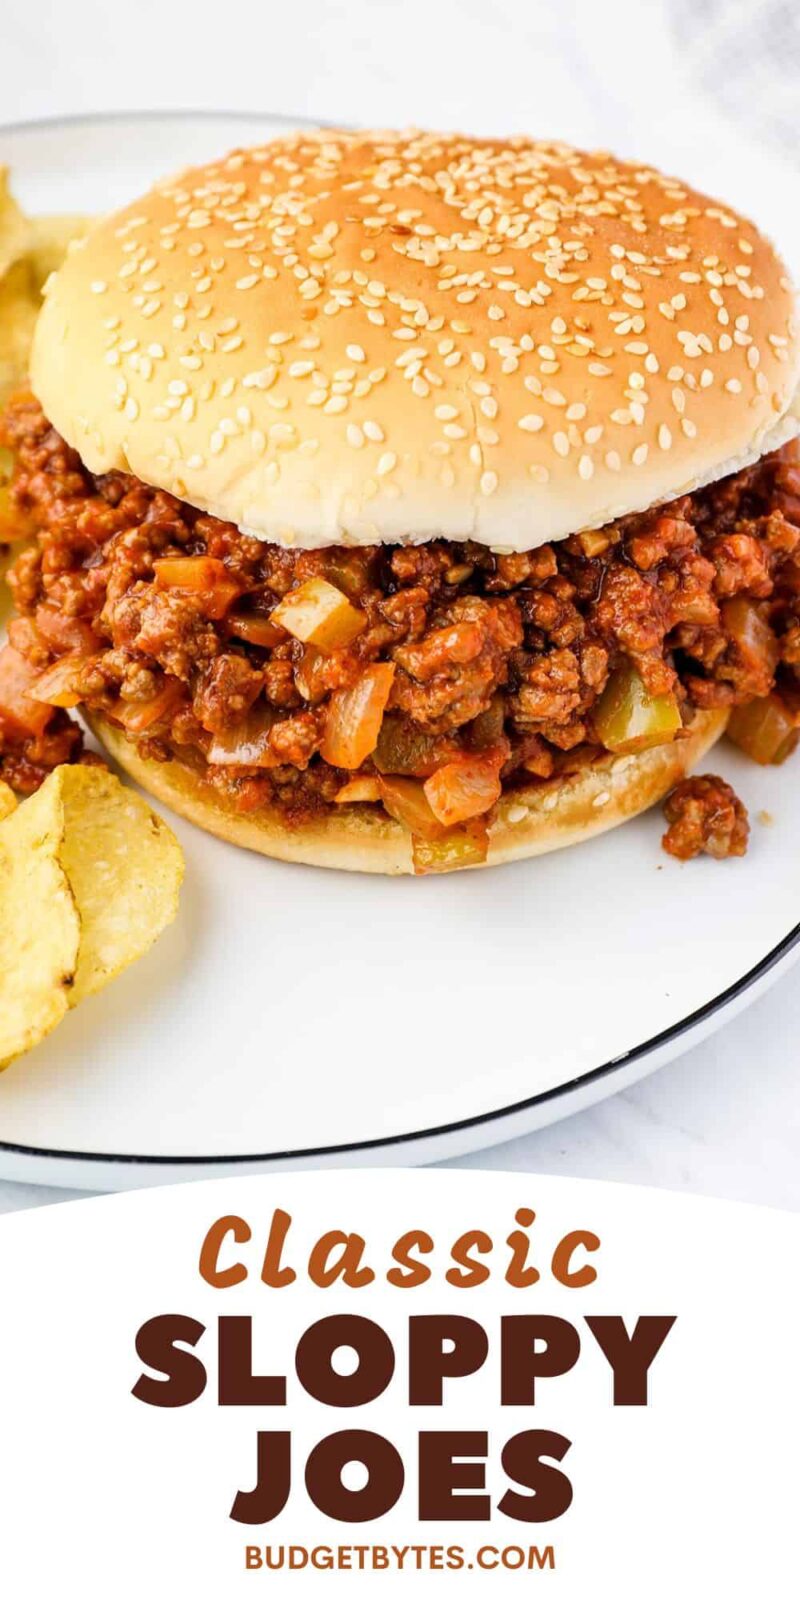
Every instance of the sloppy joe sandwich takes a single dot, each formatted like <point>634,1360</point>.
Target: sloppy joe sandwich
<point>404,502</point>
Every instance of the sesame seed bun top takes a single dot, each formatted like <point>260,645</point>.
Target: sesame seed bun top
<point>353,338</point>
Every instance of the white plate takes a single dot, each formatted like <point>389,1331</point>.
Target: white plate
<point>297,1016</point>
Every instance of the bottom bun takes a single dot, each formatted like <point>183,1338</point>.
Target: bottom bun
<point>361,838</point>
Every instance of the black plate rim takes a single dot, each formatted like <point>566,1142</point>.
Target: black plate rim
<point>394,1141</point>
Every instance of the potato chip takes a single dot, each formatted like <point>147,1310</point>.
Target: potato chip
<point>19,308</point>
<point>8,801</point>
<point>30,250</point>
<point>89,878</point>
<point>125,868</point>
<point>15,230</point>
<point>39,924</point>
<point>50,240</point>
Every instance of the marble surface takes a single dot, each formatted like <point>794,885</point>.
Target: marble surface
<point>724,1119</point>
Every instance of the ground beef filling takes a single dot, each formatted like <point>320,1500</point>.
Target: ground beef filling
<point>705,817</point>
<point>520,662</point>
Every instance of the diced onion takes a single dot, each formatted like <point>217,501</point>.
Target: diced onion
<point>19,712</point>
<point>406,801</point>
<point>247,744</point>
<point>354,718</point>
<point>359,790</point>
<point>765,730</point>
<point>136,716</point>
<point>310,673</point>
<point>72,635</point>
<point>318,613</point>
<point>57,686</point>
<point>255,630</point>
<point>465,788</point>
<point>594,544</point>
<point>203,576</point>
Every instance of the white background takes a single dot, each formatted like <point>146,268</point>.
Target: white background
<point>705,88</point>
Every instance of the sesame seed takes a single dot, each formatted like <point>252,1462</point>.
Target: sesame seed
<point>281,433</point>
